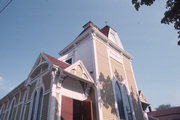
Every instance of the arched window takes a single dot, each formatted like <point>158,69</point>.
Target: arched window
<point>11,110</point>
<point>23,107</point>
<point>33,106</point>
<point>39,104</point>
<point>128,103</point>
<point>123,101</point>
<point>119,100</point>
<point>1,112</point>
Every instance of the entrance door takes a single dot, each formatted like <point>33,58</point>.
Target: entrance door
<point>87,110</point>
<point>75,110</point>
<point>66,108</point>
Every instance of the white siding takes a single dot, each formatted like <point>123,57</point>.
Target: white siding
<point>73,89</point>
<point>84,53</point>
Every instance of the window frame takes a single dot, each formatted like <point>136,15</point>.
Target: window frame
<point>33,106</point>
<point>129,102</point>
<point>23,105</point>
<point>11,109</point>
<point>1,111</point>
<point>39,104</point>
<point>34,115</point>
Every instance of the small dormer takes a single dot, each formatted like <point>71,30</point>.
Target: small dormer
<point>112,35</point>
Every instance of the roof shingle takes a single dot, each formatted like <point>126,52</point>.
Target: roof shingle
<point>57,62</point>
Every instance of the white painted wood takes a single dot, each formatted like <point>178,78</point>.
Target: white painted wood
<point>73,89</point>
<point>84,70</point>
<point>113,36</point>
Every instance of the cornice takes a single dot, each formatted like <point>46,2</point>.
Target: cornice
<point>94,30</point>
<point>109,42</point>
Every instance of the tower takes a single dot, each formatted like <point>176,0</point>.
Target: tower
<point>110,66</point>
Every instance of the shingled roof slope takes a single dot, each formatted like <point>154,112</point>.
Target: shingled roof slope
<point>57,62</point>
<point>170,113</point>
<point>105,30</point>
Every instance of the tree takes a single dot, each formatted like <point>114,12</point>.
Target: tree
<point>172,15</point>
<point>163,107</point>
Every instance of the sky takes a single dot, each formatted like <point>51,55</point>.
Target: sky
<point>28,27</point>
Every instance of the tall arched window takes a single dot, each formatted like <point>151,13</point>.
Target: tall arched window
<point>39,104</point>
<point>119,100</point>
<point>11,110</point>
<point>123,101</point>
<point>33,106</point>
<point>23,107</point>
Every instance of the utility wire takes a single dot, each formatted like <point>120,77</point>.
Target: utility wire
<point>5,6</point>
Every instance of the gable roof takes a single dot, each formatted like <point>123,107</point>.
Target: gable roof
<point>44,58</point>
<point>84,71</point>
<point>55,61</point>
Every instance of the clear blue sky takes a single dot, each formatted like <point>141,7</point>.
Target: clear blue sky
<point>28,27</point>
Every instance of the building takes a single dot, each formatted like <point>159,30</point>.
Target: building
<point>166,114</point>
<point>92,80</point>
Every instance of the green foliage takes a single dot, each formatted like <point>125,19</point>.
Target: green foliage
<point>172,15</point>
<point>138,3</point>
<point>163,107</point>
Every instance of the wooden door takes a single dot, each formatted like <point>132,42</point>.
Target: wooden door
<point>87,110</point>
<point>77,110</point>
<point>66,108</point>
<point>72,109</point>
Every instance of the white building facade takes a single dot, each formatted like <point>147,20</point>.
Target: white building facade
<point>92,80</point>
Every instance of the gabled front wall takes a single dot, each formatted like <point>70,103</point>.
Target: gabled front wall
<point>73,87</point>
<point>109,66</point>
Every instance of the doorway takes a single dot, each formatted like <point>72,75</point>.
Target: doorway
<point>72,109</point>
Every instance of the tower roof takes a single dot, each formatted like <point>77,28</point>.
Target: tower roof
<point>106,33</point>
<point>105,30</point>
